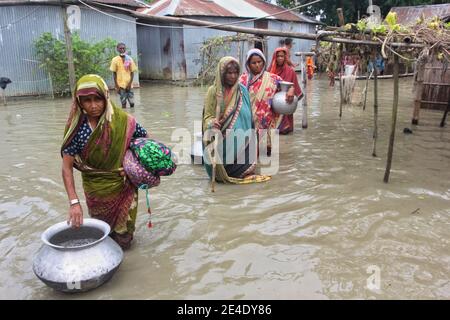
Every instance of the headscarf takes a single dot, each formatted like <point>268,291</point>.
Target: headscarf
<point>286,72</point>
<point>252,78</point>
<point>225,102</point>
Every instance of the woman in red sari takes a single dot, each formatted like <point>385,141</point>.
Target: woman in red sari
<point>280,67</point>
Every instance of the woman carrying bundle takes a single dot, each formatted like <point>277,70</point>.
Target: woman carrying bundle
<point>96,138</point>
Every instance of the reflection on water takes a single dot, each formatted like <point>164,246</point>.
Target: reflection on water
<point>316,230</point>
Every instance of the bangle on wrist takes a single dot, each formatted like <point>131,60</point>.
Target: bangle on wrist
<point>74,202</point>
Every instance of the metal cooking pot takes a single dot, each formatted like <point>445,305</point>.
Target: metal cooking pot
<point>77,260</point>
<point>279,104</point>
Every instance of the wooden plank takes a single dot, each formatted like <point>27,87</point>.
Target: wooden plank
<point>434,102</point>
<point>436,68</point>
<point>436,84</point>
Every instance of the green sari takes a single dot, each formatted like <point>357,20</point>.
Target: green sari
<point>109,196</point>
<point>235,117</point>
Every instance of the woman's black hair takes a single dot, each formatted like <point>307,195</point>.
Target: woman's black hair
<point>287,41</point>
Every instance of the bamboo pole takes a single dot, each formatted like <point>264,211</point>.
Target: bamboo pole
<point>375,110</point>
<point>341,101</point>
<point>304,100</point>
<point>4,97</point>
<point>214,159</point>
<point>69,51</point>
<point>445,114</point>
<point>394,121</point>
<point>419,77</point>
<point>365,89</point>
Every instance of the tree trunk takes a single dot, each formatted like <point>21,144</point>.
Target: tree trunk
<point>69,52</point>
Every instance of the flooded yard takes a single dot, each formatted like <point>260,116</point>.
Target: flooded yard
<point>322,228</point>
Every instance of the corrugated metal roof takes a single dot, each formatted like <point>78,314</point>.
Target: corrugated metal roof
<point>409,15</point>
<point>188,8</point>
<point>271,8</point>
<point>128,3</point>
<point>223,8</point>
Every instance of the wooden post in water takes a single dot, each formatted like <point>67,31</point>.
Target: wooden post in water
<point>304,100</point>
<point>365,89</point>
<point>339,72</point>
<point>394,121</point>
<point>341,89</point>
<point>4,97</point>
<point>445,114</point>
<point>69,52</point>
<point>418,84</point>
<point>303,82</point>
<point>375,110</point>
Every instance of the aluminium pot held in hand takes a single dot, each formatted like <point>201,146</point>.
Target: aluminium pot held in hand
<point>279,104</point>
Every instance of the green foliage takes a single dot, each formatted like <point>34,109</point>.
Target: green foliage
<point>212,50</point>
<point>88,58</point>
<point>326,9</point>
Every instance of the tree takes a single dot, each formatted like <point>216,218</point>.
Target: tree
<point>326,9</point>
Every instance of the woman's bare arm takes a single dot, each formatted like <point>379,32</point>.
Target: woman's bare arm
<point>75,211</point>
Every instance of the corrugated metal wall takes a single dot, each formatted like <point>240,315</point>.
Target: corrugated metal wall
<point>161,52</point>
<point>194,38</point>
<point>149,50</point>
<point>174,54</point>
<point>299,44</point>
<point>17,59</point>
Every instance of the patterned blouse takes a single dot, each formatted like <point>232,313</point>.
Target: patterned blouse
<point>84,132</point>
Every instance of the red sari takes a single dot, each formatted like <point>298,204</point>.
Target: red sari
<point>285,123</point>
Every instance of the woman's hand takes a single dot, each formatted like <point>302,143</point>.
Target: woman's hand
<point>75,216</point>
<point>216,124</point>
<point>290,95</point>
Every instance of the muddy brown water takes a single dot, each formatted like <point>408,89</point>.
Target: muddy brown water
<point>325,227</point>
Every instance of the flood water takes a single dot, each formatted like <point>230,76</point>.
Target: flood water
<point>322,228</point>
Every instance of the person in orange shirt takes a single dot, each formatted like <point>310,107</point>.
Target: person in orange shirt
<point>310,67</point>
<point>123,68</point>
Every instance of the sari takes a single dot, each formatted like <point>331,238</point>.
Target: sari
<point>235,117</point>
<point>261,87</point>
<point>285,123</point>
<point>109,196</point>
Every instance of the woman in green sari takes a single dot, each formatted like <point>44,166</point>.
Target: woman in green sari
<point>96,137</point>
<point>228,109</point>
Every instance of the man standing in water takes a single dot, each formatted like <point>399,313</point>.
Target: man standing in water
<point>123,68</point>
